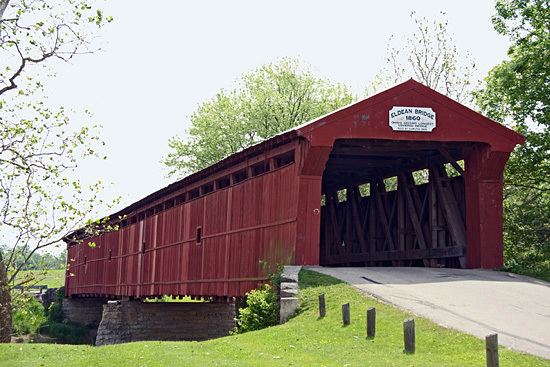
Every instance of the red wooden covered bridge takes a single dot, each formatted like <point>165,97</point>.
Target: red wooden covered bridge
<point>407,177</point>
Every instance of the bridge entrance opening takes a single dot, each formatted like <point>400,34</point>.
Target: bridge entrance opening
<point>394,203</point>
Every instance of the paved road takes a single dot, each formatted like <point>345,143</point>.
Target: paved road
<point>478,302</point>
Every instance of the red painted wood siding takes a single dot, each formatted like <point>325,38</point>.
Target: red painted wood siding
<point>243,226</point>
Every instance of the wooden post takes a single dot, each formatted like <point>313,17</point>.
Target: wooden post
<point>371,322</point>
<point>322,307</point>
<point>345,314</point>
<point>408,333</point>
<point>491,348</point>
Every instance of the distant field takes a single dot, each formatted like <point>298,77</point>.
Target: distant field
<point>51,278</point>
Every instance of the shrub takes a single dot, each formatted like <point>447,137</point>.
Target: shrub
<point>261,310</point>
<point>28,315</point>
<point>63,331</point>
<point>55,311</point>
<point>68,332</point>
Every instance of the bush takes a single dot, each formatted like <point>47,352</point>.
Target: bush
<point>55,311</point>
<point>67,332</point>
<point>63,331</point>
<point>261,310</point>
<point>28,315</point>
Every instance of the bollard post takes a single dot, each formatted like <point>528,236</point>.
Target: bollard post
<point>371,322</point>
<point>408,335</point>
<point>345,314</point>
<point>322,306</point>
<point>491,349</point>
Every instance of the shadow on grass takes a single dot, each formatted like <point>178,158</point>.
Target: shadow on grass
<point>311,279</point>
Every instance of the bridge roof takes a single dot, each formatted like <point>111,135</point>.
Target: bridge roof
<point>368,119</point>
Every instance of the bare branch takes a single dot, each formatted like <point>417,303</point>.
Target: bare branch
<point>3,6</point>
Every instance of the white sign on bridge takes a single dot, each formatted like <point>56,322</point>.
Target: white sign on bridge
<point>412,119</point>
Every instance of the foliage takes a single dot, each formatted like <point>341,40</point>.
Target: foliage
<point>267,101</point>
<point>28,315</point>
<point>40,261</point>
<point>68,333</point>
<point>35,33</point>
<point>305,340</point>
<point>40,202</point>
<point>63,331</point>
<point>517,92</point>
<point>261,310</point>
<point>169,299</point>
<point>55,311</point>
<point>276,275</point>
<point>430,56</point>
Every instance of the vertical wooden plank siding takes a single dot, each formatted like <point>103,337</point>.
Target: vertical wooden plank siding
<point>220,231</point>
<point>246,229</point>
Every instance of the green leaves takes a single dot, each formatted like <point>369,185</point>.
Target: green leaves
<point>33,32</point>
<point>517,92</point>
<point>41,201</point>
<point>269,100</point>
<point>261,310</point>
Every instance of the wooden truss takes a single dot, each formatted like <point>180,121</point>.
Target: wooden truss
<point>410,225</point>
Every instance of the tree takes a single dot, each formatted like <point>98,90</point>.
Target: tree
<point>267,101</point>
<point>430,56</point>
<point>40,202</point>
<point>517,91</point>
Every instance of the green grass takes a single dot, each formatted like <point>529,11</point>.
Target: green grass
<point>51,278</point>
<point>540,270</point>
<point>305,340</point>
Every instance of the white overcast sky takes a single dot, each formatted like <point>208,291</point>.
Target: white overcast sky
<point>161,59</point>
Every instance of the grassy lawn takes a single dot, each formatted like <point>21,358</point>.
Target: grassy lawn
<point>540,271</point>
<point>51,278</point>
<point>303,341</point>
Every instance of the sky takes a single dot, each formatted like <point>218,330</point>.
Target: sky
<point>160,60</point>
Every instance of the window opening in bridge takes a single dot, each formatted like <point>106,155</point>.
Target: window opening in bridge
<point>390,183</point>
<point>223,182</point>
<point>168,204</point>
<point>110,255</point>
<point>260,168</point>
<point>342,195</point>
<point>452,171</point>
<point>143,247</point>
<point>199,235</point>
<point>180,199</point>
<point>421,176</point>
<point>193,194</point>
<point>209,187</point>
<point>284,159</point>
<point>364,190</point>
<point>240,176</point>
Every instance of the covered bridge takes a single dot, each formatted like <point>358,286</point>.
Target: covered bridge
<point>407,177</point>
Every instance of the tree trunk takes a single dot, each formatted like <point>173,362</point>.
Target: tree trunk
<point>5,305</point>
<point>3,6</point>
